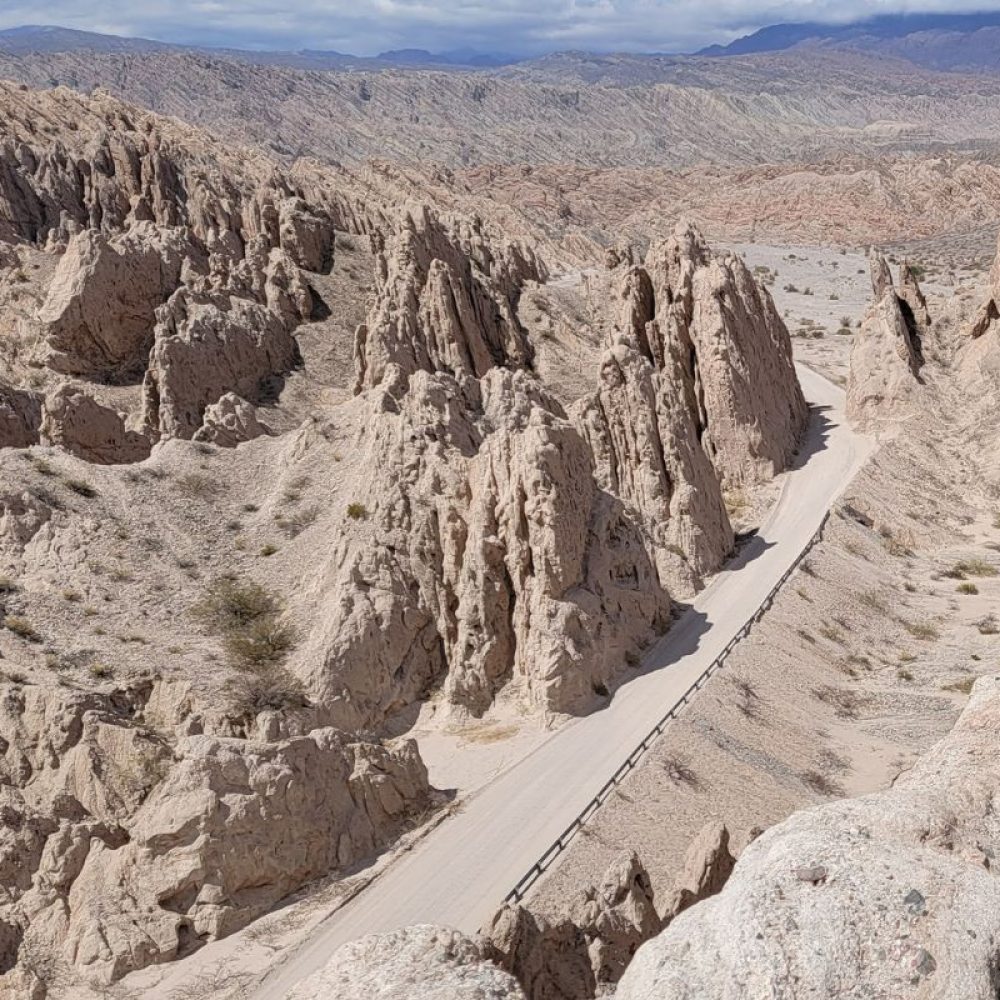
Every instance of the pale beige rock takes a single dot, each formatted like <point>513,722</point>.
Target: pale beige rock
<point>429,963</point>
<point>893,894</point>
<point>74,421</point>
<point>886,358</point>
<point>588,948</point>
<point>98,316</point>
<point>230,421</point>
<point>717,335</point>
<point>707,867</point>
<point>205,347</point>
<point>307,238</point>
<point>444,302</point>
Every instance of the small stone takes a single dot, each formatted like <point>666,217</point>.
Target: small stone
<point>924,962</point>
<point>915,903</point>
<point>812,873</point>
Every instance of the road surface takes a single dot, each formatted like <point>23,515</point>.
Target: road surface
<point>460,873</point>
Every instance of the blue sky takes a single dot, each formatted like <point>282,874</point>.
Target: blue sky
<point>521,27</point>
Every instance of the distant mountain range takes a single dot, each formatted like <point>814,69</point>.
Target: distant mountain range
<point>50,38</point>
<point>955,42</point>
<point>943,42</point>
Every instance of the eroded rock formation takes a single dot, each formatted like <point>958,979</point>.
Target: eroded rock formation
<point>432,963</point>
<point>887,355</point>
<point>585,952</point>
<point>891,894</point>
<point>130,847</point>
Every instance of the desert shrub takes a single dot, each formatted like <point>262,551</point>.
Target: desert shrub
<point>81,488</point>
<point>904,675</point>
<point>270,688</point>
<point>873,600</point>
<point>925,631</point>
<point>988,625</point>
<point>268,550</point>
<point>821,783</point>
<point>100,671</point>
<point>21,627</point>
<point>844,702</point>
<point>295,522</point>
<point>196,485</point>
<point>263,642</point>
<point>967,588</point>
<point>975,567</point>
<point>357,511</point>
<point>679,772</point>
<point>230,605</point>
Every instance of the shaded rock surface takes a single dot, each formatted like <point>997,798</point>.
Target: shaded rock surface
<point>887,354</point>
<point>587,949</point>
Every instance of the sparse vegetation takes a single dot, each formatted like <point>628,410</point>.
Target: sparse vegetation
<point>81,488</point>
<point>972,567</point>
<point>987,625</point>
<point>925,631</point>
<point>268,550</point>
<point>962,686</point>
<point>821,783</point>
<point>21,627</point>
<point>967,588</point>
<point>196,485</point>
<point>357,511</point>
<point>249,620</point>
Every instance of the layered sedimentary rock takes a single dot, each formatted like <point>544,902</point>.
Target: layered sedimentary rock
<point>129,847</point>
<point>432,963</point>
<point>894,894</point>
<point>887,355</point>
<point>707,866</point>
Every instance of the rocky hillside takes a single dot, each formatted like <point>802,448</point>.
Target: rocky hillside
<point>283,469</point>
<point>614,111</point>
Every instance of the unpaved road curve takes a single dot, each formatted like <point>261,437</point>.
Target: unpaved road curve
<point>459,875</point>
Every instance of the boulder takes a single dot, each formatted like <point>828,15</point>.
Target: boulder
<point>415,963</point>
<point>893,894</point>
<point>74,421</point>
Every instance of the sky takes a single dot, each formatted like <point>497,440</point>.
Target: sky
<point>517,27</point>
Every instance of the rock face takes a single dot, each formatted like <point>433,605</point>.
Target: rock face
<point>706,324</point>
<point>707,867</point>
<point>589,948</point>
<point>97,319</point>
<point>20,417</point>
<point>989,312</point>
<point>887,355</point>
<point>429,963</point>
<point>73,420</point>
<point>445,302</point>
<point>893,894</point>
<point>230,421</point>
<point>129,851</point>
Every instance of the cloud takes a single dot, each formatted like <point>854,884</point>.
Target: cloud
<point>521,27</point>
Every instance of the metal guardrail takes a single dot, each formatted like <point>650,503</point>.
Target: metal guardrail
<point>546,861</point>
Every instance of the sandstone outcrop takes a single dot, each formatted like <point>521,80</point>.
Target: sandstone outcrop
<point>444,302</point>
<point>710,316</point>
<point>74,421</point>
<point>487,558</point>
<point>889,895</point>
<point>707,867</point>
<point>205,347</point>
<point>20,417</point>
<point>432,963</point>
<point>585,951</point>
<point>230,421</point>
<point>887,356</point>
<point>131,848</point>
<point>97,319</point>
